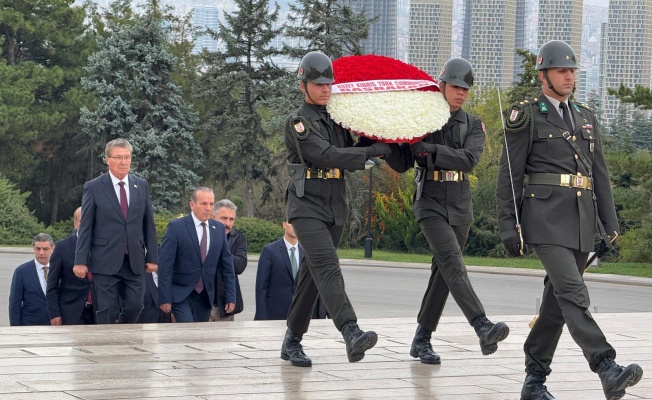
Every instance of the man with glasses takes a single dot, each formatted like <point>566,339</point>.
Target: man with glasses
<point>117,237</point>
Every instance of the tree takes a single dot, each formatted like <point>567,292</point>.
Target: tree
<point>232,91</point>
<point>131,77</point>
<point>329,26</point>
<point>17,224</point>
<point>640,96</point>
<point>529,85</point>
<point>44,46</point>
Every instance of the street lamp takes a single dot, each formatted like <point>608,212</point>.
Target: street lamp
<point>369,242</point>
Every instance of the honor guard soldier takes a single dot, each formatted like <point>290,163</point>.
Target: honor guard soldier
<point>318,152</point>
<point>553,190</point>
<point>443,208</point>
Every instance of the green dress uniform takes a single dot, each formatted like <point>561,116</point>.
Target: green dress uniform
<point>445,212</point>
<point>318,150</point>
<point>560,200</point>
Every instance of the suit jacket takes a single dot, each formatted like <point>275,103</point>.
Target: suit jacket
<point>275,284</point>
<point>104,232</point>
<point>151,312</point>
<point>238,246</point>
<point>550,214</point>
<point>180,264</point>
<point>26,299</point>
<point>66,294</point>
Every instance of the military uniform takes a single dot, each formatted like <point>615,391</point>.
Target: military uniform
<point>318,150</point>
<point>445,212</point>
<point>560,201</point>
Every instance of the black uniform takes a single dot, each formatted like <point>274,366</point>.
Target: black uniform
<point>318,215</point>
<point>558,215</point>
<point>445,213</point>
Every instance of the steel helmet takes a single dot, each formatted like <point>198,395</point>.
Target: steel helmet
<point>457,71</point>
<point>316,67</point>
<point>556,54</point>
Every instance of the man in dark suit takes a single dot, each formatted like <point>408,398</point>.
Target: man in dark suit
<point>152,312</point>
<point>225,212</point>
<point>27,296</point>
<point>276,276</point>
<point>117,237</point>
<point>69,299</point>
<point>195,249</point>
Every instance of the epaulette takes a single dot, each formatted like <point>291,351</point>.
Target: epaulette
<point>298,126</point>
<point>584,106</point>
<point>520,115</point>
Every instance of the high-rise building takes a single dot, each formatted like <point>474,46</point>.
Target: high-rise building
<point>520,35</point>
<point>561,20</point>
<point>626,50</point>
<point>205,17</point>
<point>383,33</point>
<point>430,34</point>
<point>489,40</point>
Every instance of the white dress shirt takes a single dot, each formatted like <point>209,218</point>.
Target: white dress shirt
<point>556,104</point>
<point>116,186</point>
<point>41,275</point>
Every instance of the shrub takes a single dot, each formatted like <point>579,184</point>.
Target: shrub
<point>60,229</point>
<point>259,232</point>
<point>161,221</point>
<point>18,225</point>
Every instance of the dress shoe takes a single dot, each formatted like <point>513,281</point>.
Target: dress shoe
<point>357,341</point>
<point>422,348</point>
<point>615,379</point>
<point>293,351</point>
<point>490,334</point>
<point>534,388</point>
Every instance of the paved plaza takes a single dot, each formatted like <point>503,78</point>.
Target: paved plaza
<point>240,360</point>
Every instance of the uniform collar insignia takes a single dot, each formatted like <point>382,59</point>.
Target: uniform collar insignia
<point>576,107</point>
<point>543,107</point>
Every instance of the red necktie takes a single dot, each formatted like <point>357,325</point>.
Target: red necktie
<point>124,205</point>
<point>203,247</point>
<point>89,297</point>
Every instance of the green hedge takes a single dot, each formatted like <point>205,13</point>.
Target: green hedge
<point>259,232</point>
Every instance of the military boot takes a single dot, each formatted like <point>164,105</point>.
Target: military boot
<point>489,333</point>
<point>422,348</point>
<point>293,351</point>
<point>357,341</point>
<point>615,379</point>
<point>534,389</point>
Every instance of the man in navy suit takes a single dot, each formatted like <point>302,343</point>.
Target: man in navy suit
<point>152,313</point>
<point>117,237</point>
<point>276,276</point>
<point>69,299</point>
<point>27,296</point>
<point>194,249</point>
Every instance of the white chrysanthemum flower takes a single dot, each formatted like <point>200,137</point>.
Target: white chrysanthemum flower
<point>392,116</point>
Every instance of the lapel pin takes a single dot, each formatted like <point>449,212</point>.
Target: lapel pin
<point>135,186</point>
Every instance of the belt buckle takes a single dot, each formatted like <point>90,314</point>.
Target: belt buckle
<point>566,180</point>
<point>331,173</point>
<point>580,181</point>
<point>320,173</point>
<point>451,176</point>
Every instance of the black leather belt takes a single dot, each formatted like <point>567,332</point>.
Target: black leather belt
<point>567,180</point>
<point>324,173</point>
<point>447,176</point>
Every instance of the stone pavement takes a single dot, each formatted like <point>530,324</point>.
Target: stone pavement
<point>240,360</point>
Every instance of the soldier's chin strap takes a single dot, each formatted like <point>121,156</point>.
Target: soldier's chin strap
<point>521,246</point>
<point>545,74</point>
<point>305,86</point>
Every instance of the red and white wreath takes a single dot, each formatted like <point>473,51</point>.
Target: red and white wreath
<point>386,99</point>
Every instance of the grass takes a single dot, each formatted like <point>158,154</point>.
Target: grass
<point>628,269</point>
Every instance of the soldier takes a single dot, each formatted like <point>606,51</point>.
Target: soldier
<point>443,208</point>
<point>555,143</point>
<point>318,152</point>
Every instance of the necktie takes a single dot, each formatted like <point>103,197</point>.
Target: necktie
<point>293,262</point>
<point>45,273</point>
<point>124,206</point>
<point>203,247</point>
<point>566,116</point>
<point>89,297</point>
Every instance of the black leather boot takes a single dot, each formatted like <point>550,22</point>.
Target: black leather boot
<point>534,388</point>
<point>490,334</point>
<point>293,351</point>
<point>357,341</point>
<point>422,348</point>
<point>615,379</point>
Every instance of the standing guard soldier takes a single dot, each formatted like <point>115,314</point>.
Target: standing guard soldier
<point>554,142</point>
<point>443,208</point>
<point>318,151</point>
